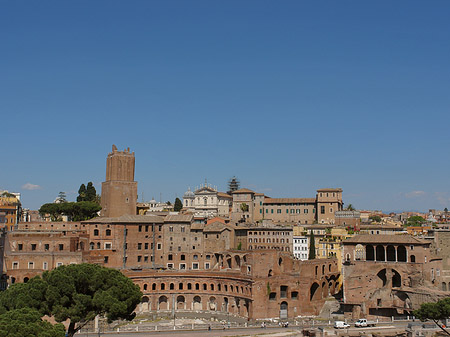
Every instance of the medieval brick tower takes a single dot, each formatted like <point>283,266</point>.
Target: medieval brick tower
<point>119,191</point>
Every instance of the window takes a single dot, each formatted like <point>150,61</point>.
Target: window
<point>108,245</point>
<point>146,245</point>
<point>170,228</point>
<point>271,211</point>
<point>294,295</point>
<point>278,211</point>
<point>20,246</point>
<point>283,291</point>
<point>194,265</point>
<point>95,232</point>
<point>59,264</point>
<point>322,209</point>
<point>170,257</point>
<point>158,246</point>
<point>45,266</point>
<point>306,211</point>
<point>46,246</point>
<point>146,258</point>
<point>139,258</point>
<point>108,232</point>
<point>208,257</point>
<point>183,257</point>
<point>206,265</point>
<point>182,266</point>
<point>30,265</point>
<point>195,257</point>
<point>170,266</point>
<point>33,246</point>
<point>140,228</point>
<point>182,229</point>
<point>15,265</point>
<point>139,246</point>
<point>61,246</point>
<point>106,259</point>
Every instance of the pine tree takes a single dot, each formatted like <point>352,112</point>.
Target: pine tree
<point>312,246</point>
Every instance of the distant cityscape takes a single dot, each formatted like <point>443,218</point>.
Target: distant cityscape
<point>237,252</point>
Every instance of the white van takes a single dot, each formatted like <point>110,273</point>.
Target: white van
<point>341,325</point>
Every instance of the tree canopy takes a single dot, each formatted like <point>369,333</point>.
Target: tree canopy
<point>76,293</point>
<point>435,311</point>
<point>178,205</point>
<point>415,220</point>
<point>27,322</point>
<point>375,218</point>
<point>76,211</point>
<point>87,193</point>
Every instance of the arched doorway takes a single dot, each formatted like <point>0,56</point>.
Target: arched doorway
<point>391,256</point>
<point>163,304</point>
<point>283,310</point>
<point>370,253</point>
<point>145,304</point>
<point>181,303</point>
<point>381,256</point>
<point>401,254</point>
<point>197,304</point>
<point>314,294</point>
<point>212,305</point>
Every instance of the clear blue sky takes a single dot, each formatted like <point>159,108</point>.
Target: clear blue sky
<point>289,96</point>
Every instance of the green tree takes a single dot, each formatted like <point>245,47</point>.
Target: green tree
<point>27,322</point>
<point>77,293</point>
<point>350,207</point>
<point>415,220</point>
<point>312,246</point>
<point>244,207</point>
<point>375,218</point>
<point>178,205</point>
<point>52,209</point>
<point>436,311</point>
<point>81,193</point>
<point>91,193</point>
<point>62,197</point>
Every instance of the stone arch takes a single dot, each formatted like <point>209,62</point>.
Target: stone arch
<point>197,303</point>
<point>212,303</point>
<point>154,286</point>
<point>145,304</point>
<point>324,289</point>
<point>237,261</point>
<point>181,302</point>
<point>145,286</point>
<point>401,254</point>
<point>313,293</point>
<point>163,303</point>
<point>390,252</point>
<point>381,256</point>
<point>225,304</point>
<point>228,261</point>
<point>359,252</point>
<point>382,277</point>
<point>396,279</point>
<point>370,253</point>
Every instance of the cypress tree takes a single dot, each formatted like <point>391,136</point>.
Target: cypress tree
<point>312,246</point>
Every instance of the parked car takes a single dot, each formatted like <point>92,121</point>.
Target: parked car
<point>362,322</point>
<point>341,325</point>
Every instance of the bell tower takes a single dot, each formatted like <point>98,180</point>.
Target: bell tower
<point>119,191</point>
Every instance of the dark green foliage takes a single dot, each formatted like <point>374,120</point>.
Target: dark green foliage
<point>415,220</point>
<point>62,197</point>
<point>178,205</point>
<point>312,246</point>
<point>91,193</point>
<point>76,292</point>
<point>76,211</point>
<point>375,218</point>
<point>81,193</point>
<point>437,311</point>
<point>27,322</point>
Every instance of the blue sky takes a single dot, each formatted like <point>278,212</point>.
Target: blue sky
<point>288,96</point>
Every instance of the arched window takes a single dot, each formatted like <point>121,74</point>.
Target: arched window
<point>91,245</point>
<point>108,232</point>
<point>95,232</point>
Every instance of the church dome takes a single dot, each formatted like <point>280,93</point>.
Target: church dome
<point>188,194</point>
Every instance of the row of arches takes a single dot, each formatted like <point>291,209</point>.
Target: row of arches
<point>321,290</point>
<point>234,305</point>
<point>382,253</point>
<point>197,286</point>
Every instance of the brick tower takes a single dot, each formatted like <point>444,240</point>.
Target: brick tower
<point>119,191</point>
